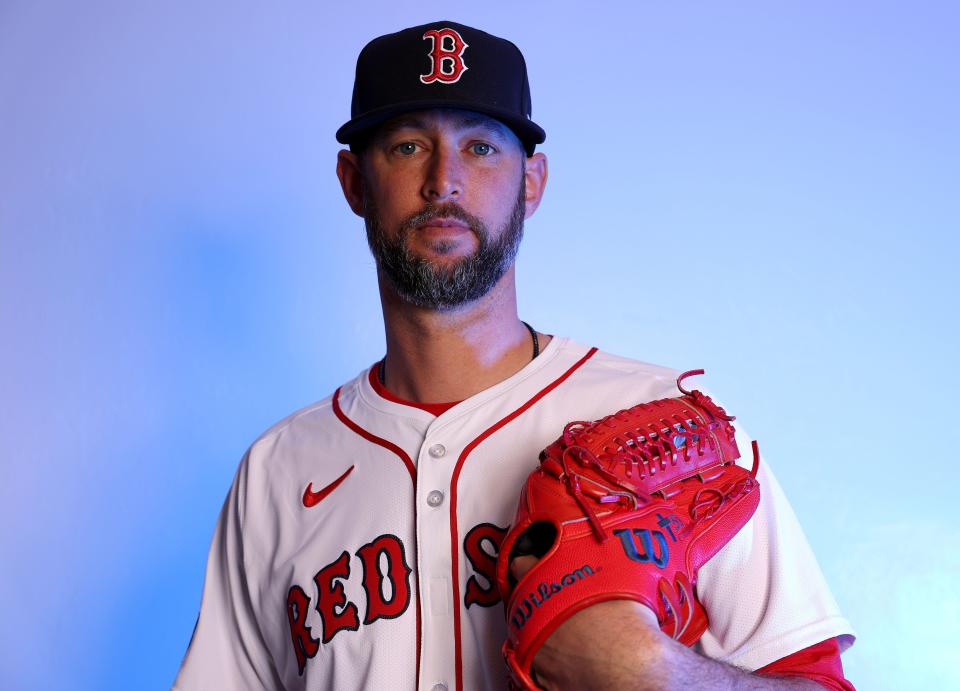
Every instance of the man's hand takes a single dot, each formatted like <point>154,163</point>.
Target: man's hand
<point>601,647</point>
<point>618,646</point>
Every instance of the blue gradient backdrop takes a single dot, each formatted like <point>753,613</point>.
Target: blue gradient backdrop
<point>766,190</point>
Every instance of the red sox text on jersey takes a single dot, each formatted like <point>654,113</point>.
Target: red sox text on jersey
<point>388,591</point>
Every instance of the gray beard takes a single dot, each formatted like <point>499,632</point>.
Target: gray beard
<point>421,283</point>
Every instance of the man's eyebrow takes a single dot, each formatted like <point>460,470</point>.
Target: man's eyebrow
<point>480,122</point>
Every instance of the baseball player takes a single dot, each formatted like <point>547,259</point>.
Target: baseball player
<point>358,543</point>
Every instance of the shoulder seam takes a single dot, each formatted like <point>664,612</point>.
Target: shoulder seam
<point>279,427</point>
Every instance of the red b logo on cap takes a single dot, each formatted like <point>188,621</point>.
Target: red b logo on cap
<point>447,56</point>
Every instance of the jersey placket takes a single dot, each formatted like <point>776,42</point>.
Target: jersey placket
<point>435,463</point>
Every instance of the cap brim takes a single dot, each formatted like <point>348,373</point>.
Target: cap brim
<point>528,132</point>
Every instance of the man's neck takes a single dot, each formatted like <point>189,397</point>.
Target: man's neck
<point>445,356</point>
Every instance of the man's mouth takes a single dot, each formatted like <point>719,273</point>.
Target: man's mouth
<point>451,223</point>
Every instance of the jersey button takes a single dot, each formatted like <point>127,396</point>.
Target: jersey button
<point>439,687</point>
<point>435,499</point>
<point>437,451</point>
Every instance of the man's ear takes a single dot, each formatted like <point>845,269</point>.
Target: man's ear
<point>535,182</point>
<point>351,180</point>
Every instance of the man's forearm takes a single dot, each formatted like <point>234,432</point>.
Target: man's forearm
<point>682,668</point>
<point>618,646</point>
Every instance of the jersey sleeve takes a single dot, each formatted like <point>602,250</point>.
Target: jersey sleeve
<point>764,592</point>
<point>819,663</point>
<point>227,650</point>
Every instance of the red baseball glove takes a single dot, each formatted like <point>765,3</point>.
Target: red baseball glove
<point>625,508</point>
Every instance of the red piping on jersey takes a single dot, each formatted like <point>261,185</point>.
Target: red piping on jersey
<point>454,533</point>
<point>379,441</point>
<point>435,409</point>
<point>402,455</point>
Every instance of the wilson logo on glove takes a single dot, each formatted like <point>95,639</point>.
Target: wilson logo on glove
<point>646,552</point>
<point>545,591</point>
<point>660,477</point>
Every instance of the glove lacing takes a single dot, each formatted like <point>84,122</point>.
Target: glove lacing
<point>571,481</point>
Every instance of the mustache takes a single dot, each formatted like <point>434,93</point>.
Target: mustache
<point>448,210</point>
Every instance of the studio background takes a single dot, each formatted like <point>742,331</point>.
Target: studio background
<point>765,190</point>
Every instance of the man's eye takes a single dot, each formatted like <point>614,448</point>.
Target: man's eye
<point>482,149</point>
<point>406,148</point>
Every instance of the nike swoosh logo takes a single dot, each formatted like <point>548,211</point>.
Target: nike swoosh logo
<point>311,498</point>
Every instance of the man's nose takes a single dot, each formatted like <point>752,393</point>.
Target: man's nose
<point>444,179</point>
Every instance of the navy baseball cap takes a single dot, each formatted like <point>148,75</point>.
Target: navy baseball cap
<point>441,65</point>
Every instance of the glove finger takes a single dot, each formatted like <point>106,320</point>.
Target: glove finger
<point>529,548</point>
<point>520,566</point>
<point>536,540</point>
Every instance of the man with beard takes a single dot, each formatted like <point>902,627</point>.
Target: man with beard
<point>357,545</point>
<point>422,283</point>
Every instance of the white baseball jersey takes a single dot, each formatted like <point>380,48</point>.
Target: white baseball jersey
<point>356,548</point>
